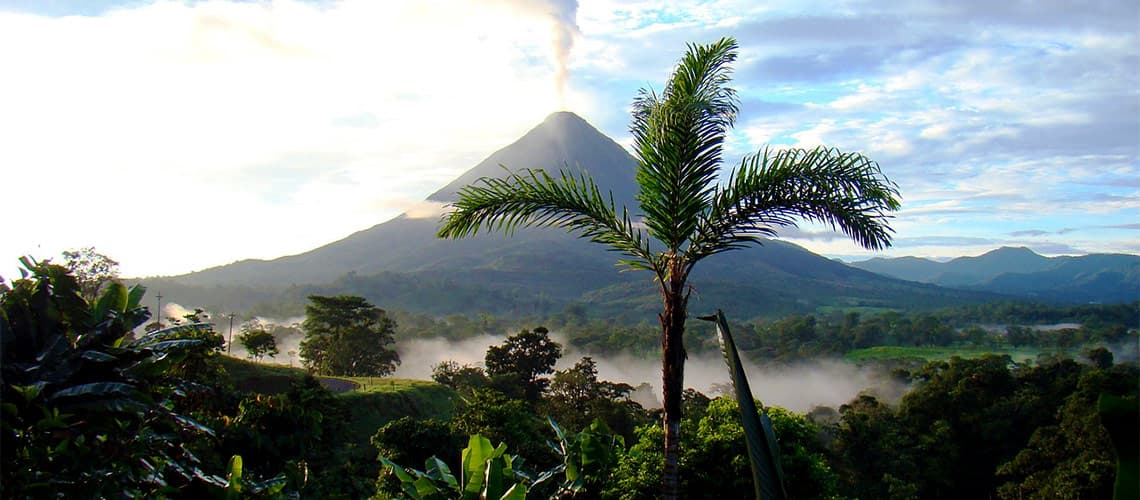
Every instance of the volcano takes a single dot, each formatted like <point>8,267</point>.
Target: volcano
<point>405,253</point>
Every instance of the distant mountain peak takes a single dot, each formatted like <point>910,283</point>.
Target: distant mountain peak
<point>563,117</point>
<point>563,140</point>
<point>1012,251</point>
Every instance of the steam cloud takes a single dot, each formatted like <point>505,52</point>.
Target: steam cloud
<point>562,15</point>
<point>426,209</point>
<point>285,343</point>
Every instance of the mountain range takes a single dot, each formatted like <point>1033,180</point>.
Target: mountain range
<point>1021,272</point>
<point>401,264</point>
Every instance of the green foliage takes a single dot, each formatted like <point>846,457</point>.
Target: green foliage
<point>588,457</point>
<point>986,427</point>
<point>577,399</point>
<point>490,413</point>
<point>714,457</point>
<point>246,376</point>
<point>486,472</point>
<point>258,340</point>
<point>521,361</point>
<point>874,450</point>
<point>1119,416</point>
<point>345,335</point>
<point>408,440</point>
<point>372,406</point>
<point>638,472</point>
<point>286,432</point>
<point>237,486</point>
<point>461,378</point>
<point>88,412</point>
<point>92,270</point>
<point>1073,457</point>
<point>934,353</point>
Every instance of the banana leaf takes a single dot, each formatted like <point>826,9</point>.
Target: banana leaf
<point>1120,417</point>
<point>763,452</point>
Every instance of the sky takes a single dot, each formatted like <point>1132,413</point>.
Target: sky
<point>176,136</point>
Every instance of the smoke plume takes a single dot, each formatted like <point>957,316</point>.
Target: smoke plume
<point>563,18</point>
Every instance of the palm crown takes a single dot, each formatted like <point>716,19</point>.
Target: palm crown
<point>678,140</point>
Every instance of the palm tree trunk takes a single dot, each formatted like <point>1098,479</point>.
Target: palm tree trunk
<point>673,378</point>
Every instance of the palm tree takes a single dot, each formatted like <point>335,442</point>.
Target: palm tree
<point>687,216</point>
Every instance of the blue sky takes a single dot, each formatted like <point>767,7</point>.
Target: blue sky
<point>175,136</point>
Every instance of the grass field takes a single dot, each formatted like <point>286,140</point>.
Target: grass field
<point>260,377</point>
<point>381,400</point>
<point>935,353</point>
<point>862,310</point>
<point>371,401</point>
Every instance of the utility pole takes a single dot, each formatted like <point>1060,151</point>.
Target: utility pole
<point>230,343</point>
<point>158,315</point>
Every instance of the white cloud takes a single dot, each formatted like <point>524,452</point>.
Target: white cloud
<point>168,118</point>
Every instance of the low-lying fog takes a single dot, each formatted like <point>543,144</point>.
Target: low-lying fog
<point>797,387</point>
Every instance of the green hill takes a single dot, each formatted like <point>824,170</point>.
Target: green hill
<point>372,402</point>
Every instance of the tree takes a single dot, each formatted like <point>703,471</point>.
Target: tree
<point>464,378</point>
<point>715,460</point>
<point>91,269</point>
<point>686,215</point>
<point>346,335</point>
<point>522,360</point>
<point>258,340</point>
<point>576,398</point>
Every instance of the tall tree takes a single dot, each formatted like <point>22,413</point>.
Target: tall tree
<point>91,269</point>
<point>522,360</point>
<point>258,340</point>
<point>346,335</point>
<point>686,215</point>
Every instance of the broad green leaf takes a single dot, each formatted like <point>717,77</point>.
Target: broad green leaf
<point>438,469</point>
<point>517,492</point>
<point>114,299</point>
<point>425,487</point>
<point>474,456</point>
<point>557,429</point>
<point>1119,416</point>
<point>191,424</point>
<point>763,454</point>
<point>272,486</point>
<point>494,482</point>
<point>98,357</point>
<point>235,473</point>
<point>95,390</point>
<point>399,470</point>
<point>173,332</point>
<point>134,297</point>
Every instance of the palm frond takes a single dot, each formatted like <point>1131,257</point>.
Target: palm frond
<point>532,198</point>
<point>759,436</point>
<point>678,138</point>
<point>775,188</point>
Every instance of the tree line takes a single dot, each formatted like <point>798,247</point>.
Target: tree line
<point>987,427</point>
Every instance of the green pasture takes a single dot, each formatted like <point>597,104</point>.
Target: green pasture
<point>936,353</point>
